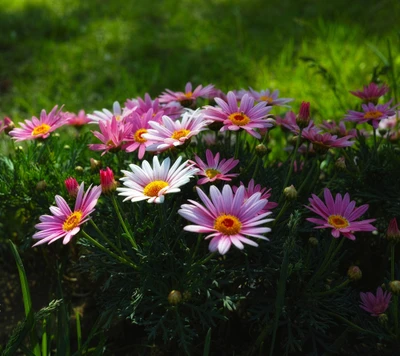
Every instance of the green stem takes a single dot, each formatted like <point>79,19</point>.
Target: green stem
<point>110,253</point>
<point>237,145</point>
<point>199,239</point>
<point>104,237</point>
<point>308,176</point>
<point>331,246</point>
<point>205,260</point>
<point>284,208</point>
<point>294,154</point>
<point>122,221</point>
<point>333,290</point>
<point>354,326</point>
<point>328,262</point>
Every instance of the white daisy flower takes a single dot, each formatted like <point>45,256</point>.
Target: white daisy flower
<point>106,115</point>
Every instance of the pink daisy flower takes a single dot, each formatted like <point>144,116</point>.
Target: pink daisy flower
<point>371,92</point>
<point>322,142</point>
<point>375,305</point>
<point>65,223</point>
<point>339,215</point>
<point>175,133</point>
<point>372,114</point>
<point>152,183</point>
<point>39,128</point>
<point>228,217</point>
<point>338,129</point>
<point>247,116</point>
<point>113,134</point>
<point>265,194</point>
<point>289,122</point>
<point>79,119</point>
<point>271,98</point>
<point>214,169</point>
<point>106,115</point>
<point>187,98</point>
<point>140,126</point>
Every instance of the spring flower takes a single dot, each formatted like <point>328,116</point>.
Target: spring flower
<point>107,181</point>
<point>79,119</point>
<point>375,305</point>
<point>175,133</point>
<point>6,125</point>
<point>253,188</point>
<point>337,129</point>
<point>113,134</point>
<point>303,117</point>
<point>152,183</point>
<point>214,169</point>
<point>322,142</point>
<point>270,97</point>
<point>339,215</point>
<point>65,223</point>
<point>227,217</point>
<point>393,232</point>
<point>72,186</point>
<point>106,115</point>
<point>371,92</point>
<point>39,128</point>
<point>140,126</point>
<point>372,114</point>
<point>188,98</point>
<point>247,116</point>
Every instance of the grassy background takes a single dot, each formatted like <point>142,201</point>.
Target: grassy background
<point>86,54</point>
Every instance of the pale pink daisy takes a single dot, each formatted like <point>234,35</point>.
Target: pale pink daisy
<point>187,98</point>
<point>153,183</point>
<point>214,169</point>
<point>256,188</point>
<point>79,119</point>
<point>371,92</point>
<point>339,215</point>
<point>246,116</point>
<point>140,125</point>
<point>270,97</point>
<point>175,133</point>
<point>106,115</point>
<point>322,142</point>
<point>289,122</point>
<point>65,223</point>
<point>39,128</point>
<point>228,217</point>
<point>375,305</point>
<point>372,114</point>
<point>113,134</point>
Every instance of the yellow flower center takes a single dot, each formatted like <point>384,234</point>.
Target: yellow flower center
<point>152,189</point>
<point>180,133</point>
<point>338,222</point>
<point>188,95</point>
<point>239,118</point>
<point>266,98</point>
<point>72,221</point>
<point>138,135</point>
<point>118,117</point>
<point>211,172</point>
<point>371,115</point>
<point>227,224</point>
<point>110,143</point>
<point>41,130</point>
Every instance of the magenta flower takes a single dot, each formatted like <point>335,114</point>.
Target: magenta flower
<point>265,194</point>
<point>6,125</point>
<point>188,98</point>
<point>79,119</point>
<point>65,223</point>
<point>113,134</point>
<point>175,133</point>
<point>39,128</point>
<point>375,305</point>
<point>270,97</point>
<point>247,116</point>
<point>214,169</point>
<point>107,181</point>
<point>322,142</point>
<point>339,215</point>
<point>228,217</point>
<point>372,114</point>
<point>371,92</point>
<point>338,129</point>
<point>72,186</point>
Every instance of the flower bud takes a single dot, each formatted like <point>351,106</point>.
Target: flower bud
<point>303,118</point>
<point>7,125</point>
<point>41,186</point>
<point>340,164</point>
<point>393,232</point>
<point>67,147</point>
<point>79,169</point>
<point>354,273</point>
<point>395,287</point>
<point>72,186</point>
<point>174,297</point>
<point>313,241</point>
<point>187,296</point>
<point>107,181</point>
<point>261,150</point>
<point>95,164</point>
<point>290,192</point>
<point>383,318</point>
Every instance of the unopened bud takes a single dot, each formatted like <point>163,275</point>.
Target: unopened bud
<point>56,134</point>
<point>313,241</point>
<point>354,273</point>
<point>261,150</point>
<point>174,297</point>
<point>72,186</point>
<point>7,125</point>
<point>95,164</point>
<point>67,147</point>
<point>303,118</point>
<point>395,287</point>
<point>41,186</point>
<point>382,318</point>
<point>340,164</point>
<point>79,169</point>
<point>290,192</point>
<point>393,232</point>
<point>382,131</point>
<point>107,181</point>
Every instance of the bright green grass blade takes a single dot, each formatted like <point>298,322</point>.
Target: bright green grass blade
<point>207,343</point>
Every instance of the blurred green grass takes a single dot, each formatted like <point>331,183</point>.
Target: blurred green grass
<point>88,54</point>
